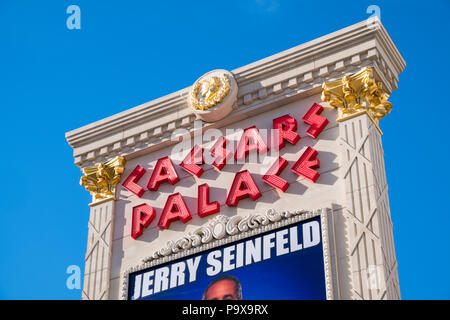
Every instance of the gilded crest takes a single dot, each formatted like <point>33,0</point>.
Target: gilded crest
<point>209,92</point>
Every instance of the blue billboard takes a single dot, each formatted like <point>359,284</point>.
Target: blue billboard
<point>282,264</point>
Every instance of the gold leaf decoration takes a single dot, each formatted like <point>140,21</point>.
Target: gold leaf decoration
<point>209,92</point>
<point>101,181</point>
<point>357,94</point>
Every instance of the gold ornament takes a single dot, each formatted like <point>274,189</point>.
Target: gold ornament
<point>209,92</point>
<point>357,94</point>
<point>101,180</point>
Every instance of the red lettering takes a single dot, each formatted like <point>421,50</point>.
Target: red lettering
<point>192,159</point>
<point>130,182</point>
<point>143,215</point>
<point>272,175</point>
<point>286,126</point>
<point>244,146</point>
<point>204,207</point>
<point>306,163</point>
<point>220,152</point>
<point>317,122</point>
<point>164,171</point>
<point>243,187</point>
<point>174,209</point>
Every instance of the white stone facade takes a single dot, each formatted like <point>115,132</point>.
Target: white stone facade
<point>352,184</point>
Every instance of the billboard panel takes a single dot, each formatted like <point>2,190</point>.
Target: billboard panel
<point>285,263</point>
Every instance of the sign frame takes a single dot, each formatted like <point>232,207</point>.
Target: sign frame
<point>223,230</point>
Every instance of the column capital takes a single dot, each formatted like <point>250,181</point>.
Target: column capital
<point>357,94</point>
<point>101,180</point>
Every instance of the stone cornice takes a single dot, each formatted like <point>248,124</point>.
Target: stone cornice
<point>267,83</point>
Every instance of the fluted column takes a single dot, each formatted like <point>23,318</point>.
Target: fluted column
<point>101,181</point>
<point>362,103</point>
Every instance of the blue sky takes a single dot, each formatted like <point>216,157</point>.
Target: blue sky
<point>53,80</point>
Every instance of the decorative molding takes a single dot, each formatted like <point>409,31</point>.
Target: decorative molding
<point>223,230</point>
<point>265,84</point>
<point>357,94</point>
<point>101,181</point>
<point>219,228</point>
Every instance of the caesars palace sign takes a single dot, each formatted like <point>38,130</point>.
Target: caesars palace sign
<point>277,165</point>
<point>243,186</point>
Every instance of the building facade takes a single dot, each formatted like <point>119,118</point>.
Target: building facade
<point>239,159</point>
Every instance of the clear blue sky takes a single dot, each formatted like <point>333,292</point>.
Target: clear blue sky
<point>53,80</point>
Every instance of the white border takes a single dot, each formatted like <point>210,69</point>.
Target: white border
<point>223,230</point>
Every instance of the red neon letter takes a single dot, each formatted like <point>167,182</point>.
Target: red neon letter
<point>243,187</point>
<point>190,162</point>
<point>318,123</point>
<point>305,165</point>
<point>143,215</point>
<point>164,171</point>
<point>204,207</point>
<point>175,209</point>
<point>220,152</point>
<point>130,183</point>
<point>286,126</point>
<point>272,178</point>
<point>244,146</point>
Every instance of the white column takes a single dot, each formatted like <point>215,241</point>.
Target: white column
<point>98,253</point>
<point>101,182</point>
<point>371,251</point>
